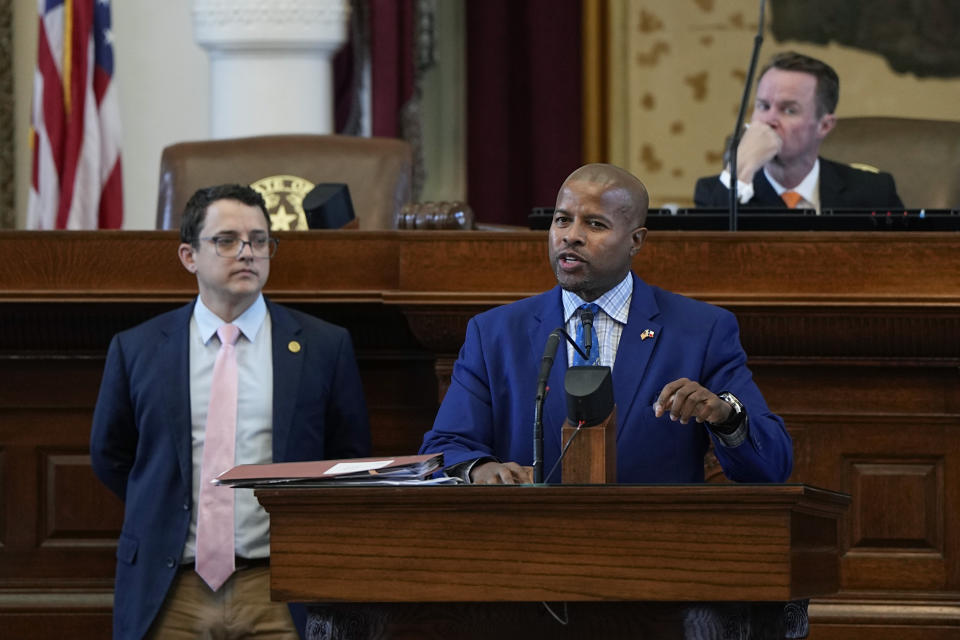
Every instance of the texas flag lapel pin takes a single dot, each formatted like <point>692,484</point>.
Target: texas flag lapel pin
<point>647,333</point>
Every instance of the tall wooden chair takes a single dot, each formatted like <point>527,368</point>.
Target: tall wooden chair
<point>377,172</point>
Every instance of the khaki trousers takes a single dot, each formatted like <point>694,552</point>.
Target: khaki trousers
<point>241,608</point>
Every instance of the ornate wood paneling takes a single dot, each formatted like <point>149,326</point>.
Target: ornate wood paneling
<point>854,339</point>
<point>910,486</point>
<point>76,511</point>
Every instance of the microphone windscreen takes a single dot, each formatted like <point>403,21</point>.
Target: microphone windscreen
<point>589,394</point>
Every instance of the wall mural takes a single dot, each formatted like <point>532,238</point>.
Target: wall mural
<point>681,68</point>
<point>921,37</point>
<point>685,66</point>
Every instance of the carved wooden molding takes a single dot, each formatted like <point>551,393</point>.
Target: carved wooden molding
<point>855,272</point>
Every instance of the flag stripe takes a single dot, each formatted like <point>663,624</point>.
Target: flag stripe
<point>77,171</point>
<point>111,213</point>
<point>50,95</point>
<point>77,23</point>
<point>34,149</point>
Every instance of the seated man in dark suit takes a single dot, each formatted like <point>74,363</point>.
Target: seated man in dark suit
<point>230,378</point>
<point>778,165</point>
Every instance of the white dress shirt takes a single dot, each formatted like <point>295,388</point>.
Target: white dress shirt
<point>254,416</point>
<point>608,321</point>
<point>809,187</point>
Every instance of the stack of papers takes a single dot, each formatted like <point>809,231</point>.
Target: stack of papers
<point>399,470</point>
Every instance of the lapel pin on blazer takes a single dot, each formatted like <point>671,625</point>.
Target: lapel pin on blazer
<point>647,333</point>
<point>293,346</point>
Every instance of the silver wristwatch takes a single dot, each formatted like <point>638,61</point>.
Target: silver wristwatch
<point>736,416</point>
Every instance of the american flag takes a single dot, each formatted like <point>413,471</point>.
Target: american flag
<point>75,122</point>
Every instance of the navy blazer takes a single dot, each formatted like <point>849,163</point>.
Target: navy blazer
<point>841,187</point>
<point>140,443</point>
<point>489,408</point>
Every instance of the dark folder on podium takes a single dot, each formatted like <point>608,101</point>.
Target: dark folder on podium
<point>387,470</point>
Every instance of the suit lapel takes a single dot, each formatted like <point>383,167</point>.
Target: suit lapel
<point>764,195</point>
<point>831,185</point>
<point>547,318</point>
<point>173,362</point>
<point>637,343</point>
<point>288,353</point>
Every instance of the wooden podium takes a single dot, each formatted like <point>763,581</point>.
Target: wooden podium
<point>477,561</point>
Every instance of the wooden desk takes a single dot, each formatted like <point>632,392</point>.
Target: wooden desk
<point>656,551</point>
<point>854,339</point>
<point>557,543</point>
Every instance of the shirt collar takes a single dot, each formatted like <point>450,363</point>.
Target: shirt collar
<point>249,321</point>
<point>807,188</point>
<point>614,303</point>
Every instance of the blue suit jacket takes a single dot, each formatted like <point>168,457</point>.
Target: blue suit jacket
<point>489,408</point>
<point>841,187</point>
<point>140,443</point>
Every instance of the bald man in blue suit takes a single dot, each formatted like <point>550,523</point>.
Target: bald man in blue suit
<point>300,398</point>
<point>679,372</point>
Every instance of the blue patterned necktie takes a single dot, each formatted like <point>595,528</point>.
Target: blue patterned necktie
<point>595,343</point>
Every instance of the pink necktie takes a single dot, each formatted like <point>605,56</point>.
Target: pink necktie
<point>215,553</point>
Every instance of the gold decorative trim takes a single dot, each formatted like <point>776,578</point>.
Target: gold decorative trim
<point>864,167</point>
<point>595,80</point>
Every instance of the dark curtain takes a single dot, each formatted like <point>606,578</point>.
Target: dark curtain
<point>523,104</point>
<point>391,62</point>
<point>523,84</point>
<point>348,66</point>
<point>8,215</point>
<point>383,32</point>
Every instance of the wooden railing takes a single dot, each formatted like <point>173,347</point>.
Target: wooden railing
<point>853,338</point>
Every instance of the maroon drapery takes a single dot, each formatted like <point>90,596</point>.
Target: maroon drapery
<point>523,96</point>
<point>523,104</point>
<point>391,63</point>
<point>344,85</point>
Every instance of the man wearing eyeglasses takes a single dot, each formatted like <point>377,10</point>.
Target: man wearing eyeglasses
<point>297,396</point>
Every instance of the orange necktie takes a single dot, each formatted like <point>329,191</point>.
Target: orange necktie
<point>791,198</point>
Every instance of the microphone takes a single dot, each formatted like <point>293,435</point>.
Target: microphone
<point>735,139</point>
<point>586,319</point>
<point>546,364</point>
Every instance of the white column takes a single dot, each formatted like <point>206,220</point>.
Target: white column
<point>271,63</point>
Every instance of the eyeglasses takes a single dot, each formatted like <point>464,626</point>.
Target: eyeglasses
<point>232,246</point>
